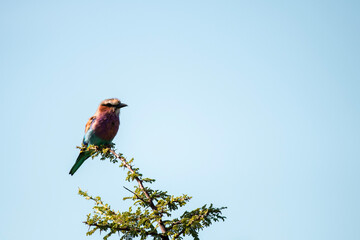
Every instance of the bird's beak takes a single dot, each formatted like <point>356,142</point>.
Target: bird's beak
<point>121,105</point>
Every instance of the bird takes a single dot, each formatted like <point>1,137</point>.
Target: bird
<point>100,128</point>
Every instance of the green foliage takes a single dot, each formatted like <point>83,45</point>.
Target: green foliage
<point>150,208</point>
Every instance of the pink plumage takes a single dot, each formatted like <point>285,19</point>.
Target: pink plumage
<point>107,124</point>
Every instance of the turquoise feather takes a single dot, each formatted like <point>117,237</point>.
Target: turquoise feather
<point>89,139</point>
<point>79,161</point>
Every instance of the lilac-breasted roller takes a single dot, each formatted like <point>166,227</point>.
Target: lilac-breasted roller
<point>101,128</point>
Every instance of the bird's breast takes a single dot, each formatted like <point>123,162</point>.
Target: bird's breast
<point>106,126</point>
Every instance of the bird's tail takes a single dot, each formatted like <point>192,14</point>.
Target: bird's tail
<point>79,161</point>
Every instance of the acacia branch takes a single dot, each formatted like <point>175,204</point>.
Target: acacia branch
<point>140,182</point>
<point>135,195</point>
<point>123,229</point>
<point>198,217</point>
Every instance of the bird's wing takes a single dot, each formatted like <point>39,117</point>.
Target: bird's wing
<point>88,124</point>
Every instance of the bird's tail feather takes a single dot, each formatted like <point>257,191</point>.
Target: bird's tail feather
<point>79,161</point>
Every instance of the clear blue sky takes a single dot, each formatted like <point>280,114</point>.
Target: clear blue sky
<point>253,105</point>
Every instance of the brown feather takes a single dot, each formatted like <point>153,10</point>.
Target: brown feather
<point>87,126</point>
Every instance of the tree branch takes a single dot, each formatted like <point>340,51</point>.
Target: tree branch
<point>140,182</point>
<point>135,195</point>
<point>123,229</point>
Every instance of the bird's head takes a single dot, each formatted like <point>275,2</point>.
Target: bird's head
<point>111,104</point>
